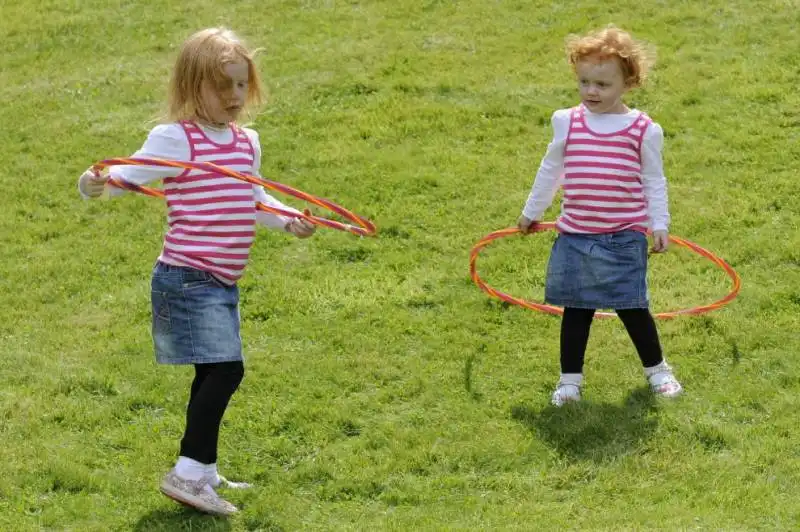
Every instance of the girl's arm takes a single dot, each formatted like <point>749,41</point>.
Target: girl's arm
<point>166,141</point>
<point>268,219</point>
<point>653,179</point>
<point>548,178</point>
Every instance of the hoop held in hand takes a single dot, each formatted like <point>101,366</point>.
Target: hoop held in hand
<point>551,309</point>
<point>362,227</point>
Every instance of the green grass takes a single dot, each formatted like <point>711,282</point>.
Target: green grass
<point>383,390</point>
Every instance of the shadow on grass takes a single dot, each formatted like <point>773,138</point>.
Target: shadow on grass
<point>591,431</point>
<point>181,519</point>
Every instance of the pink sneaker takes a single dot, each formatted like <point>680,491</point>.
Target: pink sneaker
<point>196,493</point>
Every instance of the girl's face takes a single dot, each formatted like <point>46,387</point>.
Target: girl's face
<point>601,85</point>
<point>223,104</point>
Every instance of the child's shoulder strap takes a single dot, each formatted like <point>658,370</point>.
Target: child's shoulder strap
<point>641,123</point>
<point>242,133</point>
<point>190,127</point>
<point>644,119</point>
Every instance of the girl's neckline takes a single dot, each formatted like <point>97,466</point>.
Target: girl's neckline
<point>582,111</point>
<point>215,127</point>
<point>221,129</point>
<point>630,111</point>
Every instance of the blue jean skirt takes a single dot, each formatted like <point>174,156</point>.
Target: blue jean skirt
<point>195,317</point>
<point>605,271</point>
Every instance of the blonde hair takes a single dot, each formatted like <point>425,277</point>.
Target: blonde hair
<point>202,59</point>
<point>634,57</point>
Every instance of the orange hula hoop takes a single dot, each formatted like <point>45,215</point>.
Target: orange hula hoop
<point>551,309</point>
<point>363,226</point>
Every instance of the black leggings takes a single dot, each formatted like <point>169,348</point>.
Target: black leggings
<point>212,388</point>
<point>575,327</point>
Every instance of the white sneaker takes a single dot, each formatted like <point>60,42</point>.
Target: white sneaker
<point>196,493</point>
<point>565,393</point>
<point>222,482</point>
<point>568,389</point>
<point>662,381</point>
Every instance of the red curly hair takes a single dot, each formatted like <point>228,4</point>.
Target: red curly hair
<point>633,56</point>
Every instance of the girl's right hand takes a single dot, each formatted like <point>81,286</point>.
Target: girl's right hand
<point>301,228</point>
<point>92,183</point>
<point>526,226</point>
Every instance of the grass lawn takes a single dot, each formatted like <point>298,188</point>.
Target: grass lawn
<point>384,391</point>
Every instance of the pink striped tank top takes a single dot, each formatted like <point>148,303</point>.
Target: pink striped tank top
<point>603,191</point>
<point>211,217</point>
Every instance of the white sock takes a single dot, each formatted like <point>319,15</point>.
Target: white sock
<point>571,378</point>
<point>658,368</point>
<point>211,471</point>
<point>190,469</point>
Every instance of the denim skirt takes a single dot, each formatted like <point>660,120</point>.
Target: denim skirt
<point>605,271</point>
<point>195,317</point>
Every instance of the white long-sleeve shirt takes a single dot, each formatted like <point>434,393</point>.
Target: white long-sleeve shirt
<point>549,176</point>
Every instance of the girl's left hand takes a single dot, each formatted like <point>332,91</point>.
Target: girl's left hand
<point>92,183</point>
<point>660,241</point>
<point>301,228</point>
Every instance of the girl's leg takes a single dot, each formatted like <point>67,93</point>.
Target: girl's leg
<point>187,467</point>
<point>207,405</point>
<point>641,328</point>
<point>575,326</point>
<point>200,373</point>
<point>189,482</point>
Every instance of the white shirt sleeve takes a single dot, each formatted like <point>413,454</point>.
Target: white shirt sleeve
<point>165,141</point>
<point>653,179</point>
<point>275,221</point>
<point>551,169</point>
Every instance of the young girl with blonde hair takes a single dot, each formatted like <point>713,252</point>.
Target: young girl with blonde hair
<point>607,159</point>
<point>211,227</point>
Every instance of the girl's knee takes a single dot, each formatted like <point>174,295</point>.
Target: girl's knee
<point>230,373</point>
<point>236,372</point>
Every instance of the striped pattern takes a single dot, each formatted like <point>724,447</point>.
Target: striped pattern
<point>603,190</point>
<point>211,216</point>
<point>364,227</point>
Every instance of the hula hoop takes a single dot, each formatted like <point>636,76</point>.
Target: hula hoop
<point>551,309</point>
<point>363,226</point>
